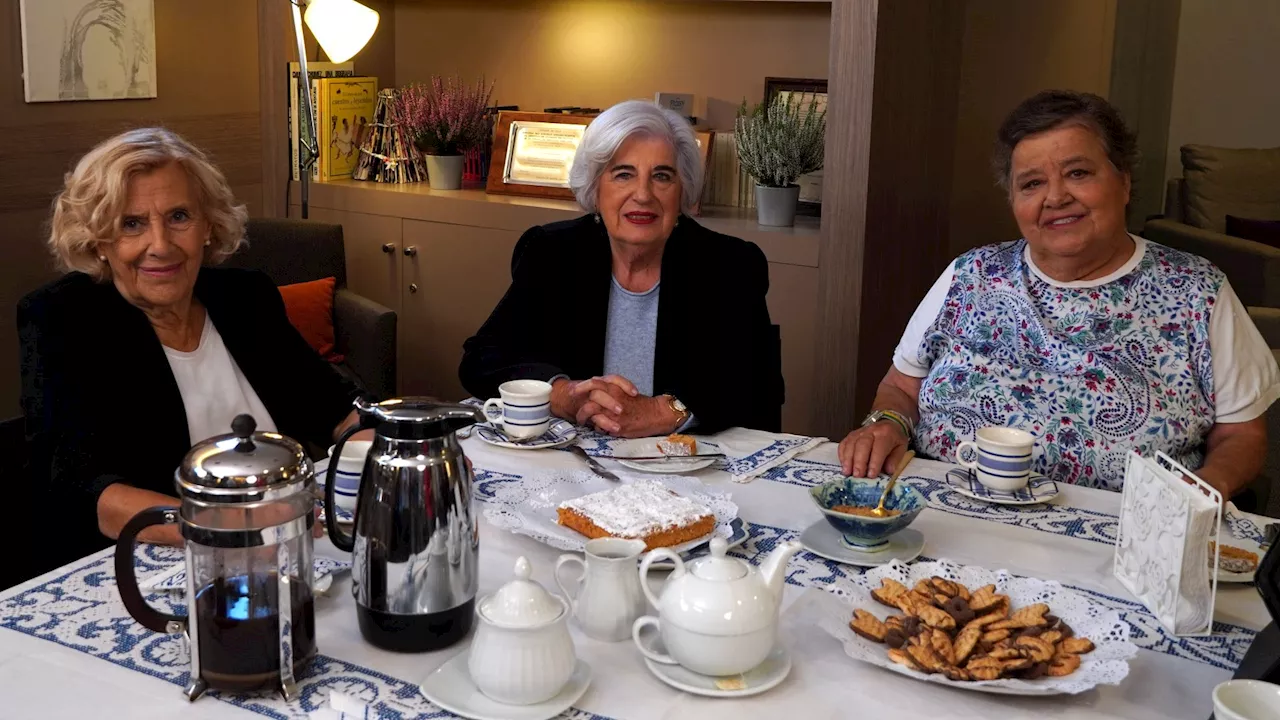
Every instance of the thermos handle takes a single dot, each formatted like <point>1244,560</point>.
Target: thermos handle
<point>127,580</point>
<point>341,540</point>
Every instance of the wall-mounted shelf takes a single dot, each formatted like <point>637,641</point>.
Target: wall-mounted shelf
<point>474,207</point>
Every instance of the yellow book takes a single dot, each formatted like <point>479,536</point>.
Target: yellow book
<point>344,108</point>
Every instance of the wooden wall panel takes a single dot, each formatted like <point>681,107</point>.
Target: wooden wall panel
<point>909,193</point>
<point>595,53</point>
<point>844,213</point>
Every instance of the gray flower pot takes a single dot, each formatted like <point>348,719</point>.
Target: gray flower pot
<point>776,207</point>
<point>444,172</point>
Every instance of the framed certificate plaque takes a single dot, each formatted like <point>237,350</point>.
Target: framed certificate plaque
<point>532,153</point>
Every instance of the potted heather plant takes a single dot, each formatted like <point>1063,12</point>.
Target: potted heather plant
<point>445,118</point>
<point>776,145</point>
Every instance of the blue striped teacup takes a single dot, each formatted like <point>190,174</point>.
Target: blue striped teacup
<point>1003,457</point>
<point>524,408</point>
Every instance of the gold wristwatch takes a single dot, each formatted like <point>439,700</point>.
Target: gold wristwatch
<point>678,408</point>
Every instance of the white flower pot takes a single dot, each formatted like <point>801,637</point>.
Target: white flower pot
<point>444,172</point>
<point>775,207</point>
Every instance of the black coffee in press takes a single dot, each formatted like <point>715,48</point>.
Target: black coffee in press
<point>238,627</point>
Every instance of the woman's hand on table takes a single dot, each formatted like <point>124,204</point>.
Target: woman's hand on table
<point>871,450</point>
<point>613,405</point>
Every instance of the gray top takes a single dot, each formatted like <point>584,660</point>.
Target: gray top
<point>632,335</point>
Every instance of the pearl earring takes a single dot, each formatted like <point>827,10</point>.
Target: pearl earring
<point>102,258</point>
<point>207,243</point>
<point>597,217</point>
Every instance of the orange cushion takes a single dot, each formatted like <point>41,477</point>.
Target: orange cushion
<point>310,309</point>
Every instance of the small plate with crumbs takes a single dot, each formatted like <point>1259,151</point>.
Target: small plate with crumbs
<point>762,678</point>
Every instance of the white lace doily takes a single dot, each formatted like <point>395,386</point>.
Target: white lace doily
<point>529,506</point>
<point>1107,664</point>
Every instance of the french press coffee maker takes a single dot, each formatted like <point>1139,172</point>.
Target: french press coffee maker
<point>248,501</point>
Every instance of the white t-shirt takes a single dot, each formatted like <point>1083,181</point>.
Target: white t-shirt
<point>1246,380</point>
<point>213,389</point>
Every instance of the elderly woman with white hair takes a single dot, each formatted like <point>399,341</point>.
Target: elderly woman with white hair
<point>142,349</point>
<point>645,322</point>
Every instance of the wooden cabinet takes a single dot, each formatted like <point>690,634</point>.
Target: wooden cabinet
<point>372,244</point>
<point>453,277</point>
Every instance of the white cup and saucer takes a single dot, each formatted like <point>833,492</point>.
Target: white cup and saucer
<point>998,469</point>
<point>520,418</point>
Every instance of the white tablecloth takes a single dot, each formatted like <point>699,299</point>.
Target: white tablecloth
<point>39,678</point>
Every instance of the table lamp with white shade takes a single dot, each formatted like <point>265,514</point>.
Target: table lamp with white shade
<point>343,28</point>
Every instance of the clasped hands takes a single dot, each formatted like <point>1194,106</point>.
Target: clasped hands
<point>613,405</point>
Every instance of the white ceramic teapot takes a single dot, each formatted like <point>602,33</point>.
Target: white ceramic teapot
<point>522,653</point>
<point>717,615</point>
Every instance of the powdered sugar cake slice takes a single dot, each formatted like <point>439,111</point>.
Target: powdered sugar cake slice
<point>644,509</point>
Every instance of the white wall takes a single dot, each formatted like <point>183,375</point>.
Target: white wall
<point>1226,83</point>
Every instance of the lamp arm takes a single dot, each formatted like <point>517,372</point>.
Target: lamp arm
<point>311,146</point>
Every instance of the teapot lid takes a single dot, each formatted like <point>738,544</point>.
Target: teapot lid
<point>521,603</point>
<point>239,466</point>
<point>716,567</point>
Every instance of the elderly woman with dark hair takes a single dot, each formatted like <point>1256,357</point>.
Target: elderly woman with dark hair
<point>142,348</point>
<point>644,321</point>
<point>1097,342</point>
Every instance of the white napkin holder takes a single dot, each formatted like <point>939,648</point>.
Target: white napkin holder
<point>1168,516</point>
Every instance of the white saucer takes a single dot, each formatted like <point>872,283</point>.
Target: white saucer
<point>763,677</point>
<point>558,434</point>
<point>1040,489</point>
<point>450,688</point>
<point>823,540</point>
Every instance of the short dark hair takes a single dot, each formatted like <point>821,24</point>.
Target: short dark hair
<point>1052,109</point>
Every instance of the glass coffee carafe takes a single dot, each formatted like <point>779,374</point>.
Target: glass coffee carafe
<point>246,513</point>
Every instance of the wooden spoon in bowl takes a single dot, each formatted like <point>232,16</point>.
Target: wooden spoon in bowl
<point>879,510</point>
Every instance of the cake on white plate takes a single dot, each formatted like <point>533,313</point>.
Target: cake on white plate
<point>644,510</point>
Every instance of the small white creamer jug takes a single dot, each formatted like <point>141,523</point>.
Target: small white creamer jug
<point>608,598</point>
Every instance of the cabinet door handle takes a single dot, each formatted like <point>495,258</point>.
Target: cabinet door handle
<point>413,287</point>
<point>411,251</point>
<point>389,248</point>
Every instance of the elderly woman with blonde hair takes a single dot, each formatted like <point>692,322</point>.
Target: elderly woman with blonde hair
<point>143,348</point>
<point>644,321</point>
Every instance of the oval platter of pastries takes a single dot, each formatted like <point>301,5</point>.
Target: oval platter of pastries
<point>980,630</point>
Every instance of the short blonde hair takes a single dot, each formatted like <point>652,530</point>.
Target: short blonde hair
<point>89,208</point>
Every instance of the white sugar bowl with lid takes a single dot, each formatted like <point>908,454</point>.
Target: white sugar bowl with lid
<point>522,653</point>
<point>717,615</point>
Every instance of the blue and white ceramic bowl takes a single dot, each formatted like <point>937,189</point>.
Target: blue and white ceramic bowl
<point>866,534</point>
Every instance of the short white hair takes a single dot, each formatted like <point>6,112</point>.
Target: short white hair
<point>613,127</point>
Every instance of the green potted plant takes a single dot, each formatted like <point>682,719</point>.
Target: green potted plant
<point>445,118</point>
<point>777,144</point>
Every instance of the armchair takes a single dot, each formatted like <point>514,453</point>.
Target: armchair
<point>293,251</point>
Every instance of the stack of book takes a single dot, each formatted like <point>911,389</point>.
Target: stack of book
<point>342,109</point>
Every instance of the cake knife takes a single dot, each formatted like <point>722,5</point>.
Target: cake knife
<point>594,466</point>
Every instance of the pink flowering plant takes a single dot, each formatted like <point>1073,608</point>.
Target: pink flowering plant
<point>445,116</point>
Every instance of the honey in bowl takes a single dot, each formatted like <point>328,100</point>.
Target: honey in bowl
<point>861,511</point>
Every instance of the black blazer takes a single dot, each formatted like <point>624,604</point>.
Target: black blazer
<point>716,348</point>
<point>101,403</point>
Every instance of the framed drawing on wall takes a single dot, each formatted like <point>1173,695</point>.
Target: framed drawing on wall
<point>532,153</point>
<point>88,49</point>
<point>803,92</point>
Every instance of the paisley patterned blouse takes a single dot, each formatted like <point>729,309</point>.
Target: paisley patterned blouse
<point>1094,370</point>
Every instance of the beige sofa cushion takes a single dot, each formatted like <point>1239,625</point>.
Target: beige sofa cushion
<point>1244,182</point>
